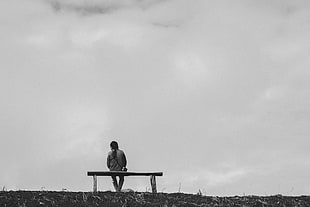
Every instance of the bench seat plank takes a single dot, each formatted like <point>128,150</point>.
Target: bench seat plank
<point>123,173</point>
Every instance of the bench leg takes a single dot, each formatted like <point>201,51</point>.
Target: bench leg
<point>95,183</point>
<point>153,183</point>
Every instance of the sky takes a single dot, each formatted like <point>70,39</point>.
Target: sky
<point>213,93</point>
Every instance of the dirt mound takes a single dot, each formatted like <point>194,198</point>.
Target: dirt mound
<point>132,199</point>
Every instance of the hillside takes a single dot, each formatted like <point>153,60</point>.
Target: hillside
<point>132,199</point>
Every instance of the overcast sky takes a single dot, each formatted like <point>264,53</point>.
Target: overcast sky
<point>216,94</point>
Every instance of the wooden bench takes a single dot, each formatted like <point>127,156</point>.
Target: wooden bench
<point>124,173</point>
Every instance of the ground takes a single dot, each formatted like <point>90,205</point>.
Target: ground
<point>132,199</point>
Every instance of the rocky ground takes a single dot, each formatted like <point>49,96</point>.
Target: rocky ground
<point>132,199</point>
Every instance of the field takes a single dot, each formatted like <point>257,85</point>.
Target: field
<point>132,199</point>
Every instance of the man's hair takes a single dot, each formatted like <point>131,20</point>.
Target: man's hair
<point>114,145</point>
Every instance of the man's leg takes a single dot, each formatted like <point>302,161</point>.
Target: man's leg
<point>121,182</point>
<point>114,181</point>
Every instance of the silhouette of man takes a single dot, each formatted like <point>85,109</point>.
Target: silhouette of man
<point>116,161</point>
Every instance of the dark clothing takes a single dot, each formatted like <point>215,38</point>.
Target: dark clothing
<point>116,163</point>
<point>118,185</point>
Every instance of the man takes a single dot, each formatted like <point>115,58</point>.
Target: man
<point>116,161</point>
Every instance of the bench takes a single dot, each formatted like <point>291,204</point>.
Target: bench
<point>124,173</point>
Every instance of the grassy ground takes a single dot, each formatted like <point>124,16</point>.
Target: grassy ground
<point>132,199</point>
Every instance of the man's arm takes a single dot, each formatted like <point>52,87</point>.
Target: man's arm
<point>125,160</point>
<point>108,161</point>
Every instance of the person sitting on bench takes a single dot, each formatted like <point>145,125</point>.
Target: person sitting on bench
<point>116,161</point>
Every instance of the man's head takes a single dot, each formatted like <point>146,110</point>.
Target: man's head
<point>114,145</point>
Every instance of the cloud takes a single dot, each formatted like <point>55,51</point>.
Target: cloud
<point>215,81</point>
<point>191,69</point>
<point>220,178</point>
<point>99,7</point>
